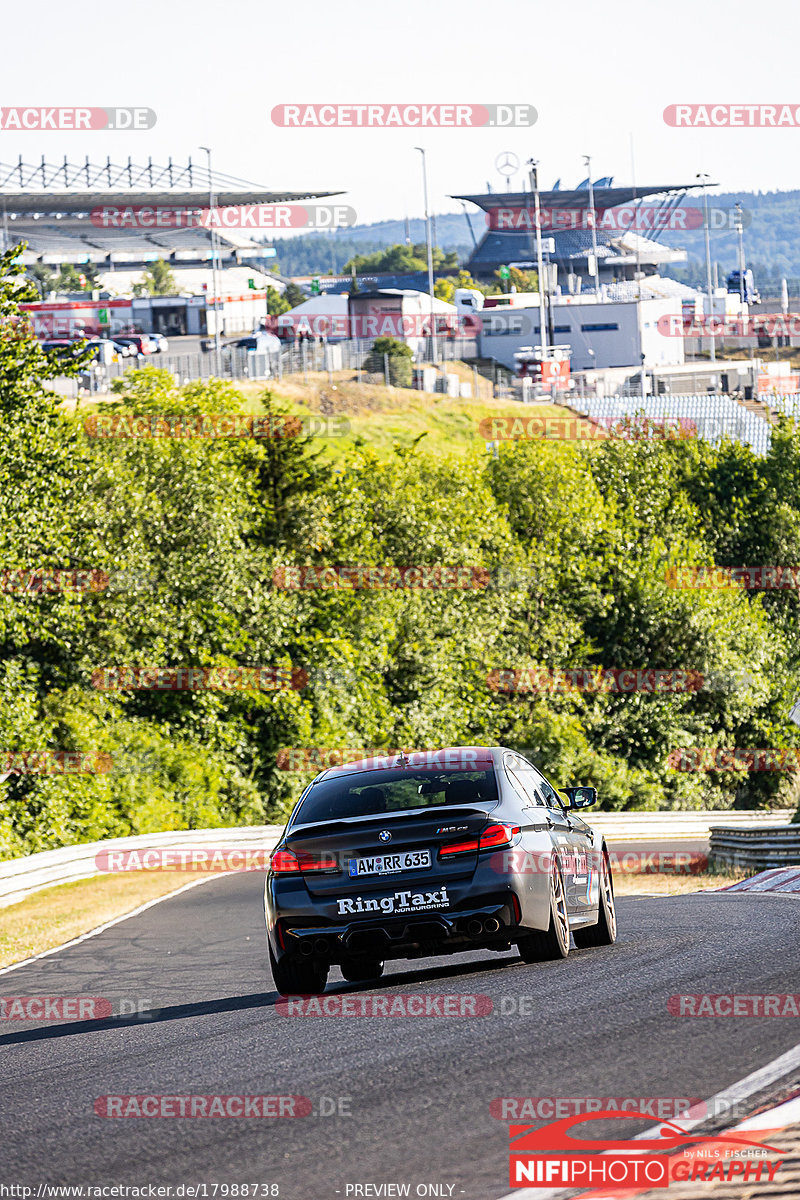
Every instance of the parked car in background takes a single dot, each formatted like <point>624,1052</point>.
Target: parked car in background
<point>256,343</point>
<point>106,350</point>
<point>140,342</point>
<point>62,346</point>
<point>159,343</point>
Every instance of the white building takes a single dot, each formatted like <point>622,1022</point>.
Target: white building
<point>602,333</point>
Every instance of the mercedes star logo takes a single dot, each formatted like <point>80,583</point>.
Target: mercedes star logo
<point>507,163</point>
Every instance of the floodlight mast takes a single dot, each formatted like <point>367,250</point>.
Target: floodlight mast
<point>532,163</point>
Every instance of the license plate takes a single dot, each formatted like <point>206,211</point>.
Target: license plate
<point>389,864</point>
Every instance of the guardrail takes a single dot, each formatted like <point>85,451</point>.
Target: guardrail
<point>21,877</point>
<point>683,825</point>
<point>770,846</point>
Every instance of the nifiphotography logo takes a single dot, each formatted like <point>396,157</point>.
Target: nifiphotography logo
<point>550,1156</point>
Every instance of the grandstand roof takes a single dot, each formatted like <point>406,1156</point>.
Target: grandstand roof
<point>83,202</point>
<point>571,245</point>
<point>48,205</point>
<point>609,197</point>
<point>74,238</point>
<point>79,187</point>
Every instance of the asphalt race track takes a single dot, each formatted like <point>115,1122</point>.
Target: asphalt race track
<point>414,1093</point>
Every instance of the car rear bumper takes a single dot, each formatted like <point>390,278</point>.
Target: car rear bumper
<point>490,924</point>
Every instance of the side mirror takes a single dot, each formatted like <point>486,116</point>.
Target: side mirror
<point>580,797</point>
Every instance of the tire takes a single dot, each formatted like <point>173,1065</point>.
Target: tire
<point>604,933</point>
<point>361,970</point>
<point>553,943</point>
<point>297,978</point>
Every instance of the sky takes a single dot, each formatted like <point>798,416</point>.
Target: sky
<point>599,78</point>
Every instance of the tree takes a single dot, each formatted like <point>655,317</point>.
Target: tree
<point>43,277</point>
<point>445,288</point>
<point>294,295</point>
<point>277,303</point>
<point>402,259</point>
<point>81,278</point>
<point>400,358</point>
<point>157,280</point>
<point>523,281</point>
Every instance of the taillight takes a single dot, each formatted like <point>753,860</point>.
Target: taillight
<point>284,862</point>
<point>468,846</point>
<point>317,862</point>
<point>492,838</point>
<point>498,835</point>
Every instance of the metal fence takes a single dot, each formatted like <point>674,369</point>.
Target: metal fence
<point>298,358</point>
<point>711,417</point>
<point>773,846</point>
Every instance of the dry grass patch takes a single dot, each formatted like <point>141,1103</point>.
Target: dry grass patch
<point>58,914</point>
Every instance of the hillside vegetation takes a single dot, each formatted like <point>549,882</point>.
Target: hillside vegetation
<point>566,547</point>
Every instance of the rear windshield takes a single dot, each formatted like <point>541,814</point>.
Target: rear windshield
<point>394,790</point>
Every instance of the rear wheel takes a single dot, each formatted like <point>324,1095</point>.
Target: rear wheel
<point>552,943</point>
<point>604,933</point>
<point>360,970</point>
<point>294,977</point>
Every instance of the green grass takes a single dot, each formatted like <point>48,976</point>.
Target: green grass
<point>382,417</point>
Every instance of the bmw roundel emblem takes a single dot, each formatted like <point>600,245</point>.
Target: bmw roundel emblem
<point>384,836</point>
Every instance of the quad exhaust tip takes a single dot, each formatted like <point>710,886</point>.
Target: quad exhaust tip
<point>309,946</point>
<point>476,926</point>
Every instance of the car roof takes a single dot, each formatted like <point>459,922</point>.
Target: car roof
<point>445,758</point>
